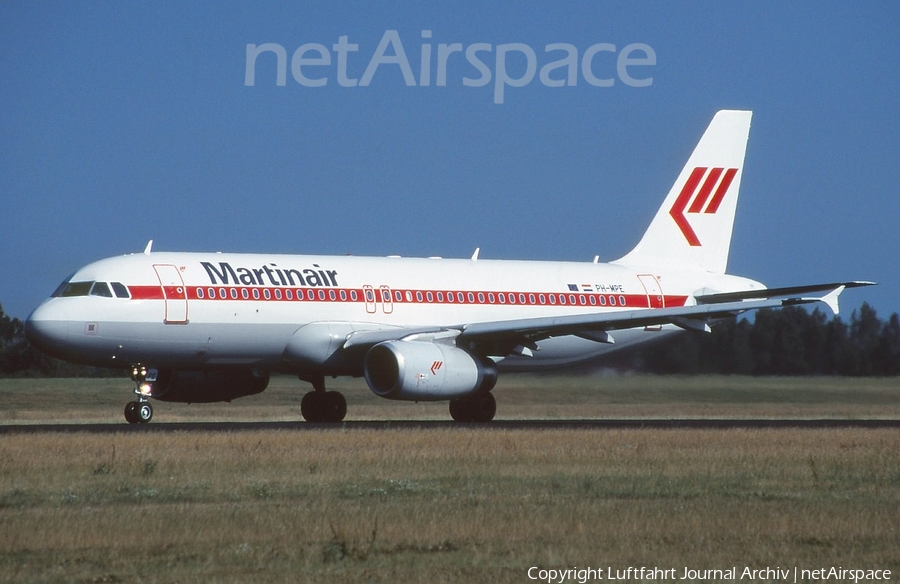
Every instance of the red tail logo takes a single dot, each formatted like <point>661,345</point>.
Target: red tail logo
<point>701,203</point>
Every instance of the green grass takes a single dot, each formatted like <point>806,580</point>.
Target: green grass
<point>24,401</point>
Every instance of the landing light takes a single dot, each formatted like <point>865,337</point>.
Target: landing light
<point>146,388</point>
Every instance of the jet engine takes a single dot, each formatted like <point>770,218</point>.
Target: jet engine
<point>425,371</point>
<point>207,386</point>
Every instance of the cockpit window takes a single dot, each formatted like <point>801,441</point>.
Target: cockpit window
<point>59,289</point>
<point>73,289</point>
<point>101,289</point>
<point>120,290</point>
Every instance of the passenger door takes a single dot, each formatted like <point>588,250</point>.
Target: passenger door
<point>174,293</point>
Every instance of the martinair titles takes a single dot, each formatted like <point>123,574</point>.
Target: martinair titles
<point>226,275</point>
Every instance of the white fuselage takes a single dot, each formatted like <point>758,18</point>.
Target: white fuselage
<point>196,310</point>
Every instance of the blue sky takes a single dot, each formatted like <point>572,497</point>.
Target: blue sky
<point>122,122</point>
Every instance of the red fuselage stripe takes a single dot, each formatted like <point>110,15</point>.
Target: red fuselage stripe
<point>399,296</point>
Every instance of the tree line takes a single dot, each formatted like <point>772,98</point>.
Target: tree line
<point>789,341</point>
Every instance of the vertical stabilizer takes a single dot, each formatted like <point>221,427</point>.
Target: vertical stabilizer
<point>692,229</point>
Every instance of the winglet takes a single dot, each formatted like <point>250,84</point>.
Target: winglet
<point>831,299</point>
<point>475,255</point>
<point>148,248</point>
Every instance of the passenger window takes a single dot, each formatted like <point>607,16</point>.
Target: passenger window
<point>120,290</point>
<point>101,289</point>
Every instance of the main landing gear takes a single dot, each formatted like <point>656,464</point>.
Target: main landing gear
<point>479,407</point>
<point>140,411</point>
<point>330,407</point>
<point>320,406</point>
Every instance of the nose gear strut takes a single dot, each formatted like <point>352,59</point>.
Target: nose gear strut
<point>140,411</point>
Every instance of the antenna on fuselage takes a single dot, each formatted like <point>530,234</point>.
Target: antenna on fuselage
<point>148,248</point>
<point>475,255</point>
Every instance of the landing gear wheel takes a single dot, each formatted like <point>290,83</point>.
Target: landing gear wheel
<point>309,407</point>
<point>323,407</point>
<point>484,408</point>
<point>144,412</point>
<point>478,408</point>
<point>335,407</point>
<point>131,415</point>
<point>458,410</point>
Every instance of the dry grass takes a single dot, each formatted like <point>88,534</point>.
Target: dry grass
<point>446,505</point>
<point>449,505</point>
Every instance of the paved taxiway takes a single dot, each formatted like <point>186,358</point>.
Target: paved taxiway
<point>434,425</point>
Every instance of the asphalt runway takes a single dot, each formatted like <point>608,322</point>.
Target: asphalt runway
<point>299,426</point>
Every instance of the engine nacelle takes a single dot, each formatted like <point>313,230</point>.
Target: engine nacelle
<point>207,386</point>
<point>425,371</point>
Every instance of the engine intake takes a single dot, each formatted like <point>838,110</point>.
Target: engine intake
<point>425,371</point>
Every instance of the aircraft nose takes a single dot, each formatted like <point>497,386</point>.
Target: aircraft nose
<point>47,329</point>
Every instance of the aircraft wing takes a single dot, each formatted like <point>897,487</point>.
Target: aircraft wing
<point>525,332</point>
<point>778,292</point>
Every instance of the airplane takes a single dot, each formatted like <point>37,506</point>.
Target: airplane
<point>207,327</point>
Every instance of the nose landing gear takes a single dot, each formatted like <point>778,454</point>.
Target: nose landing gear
<point>140,411</point>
